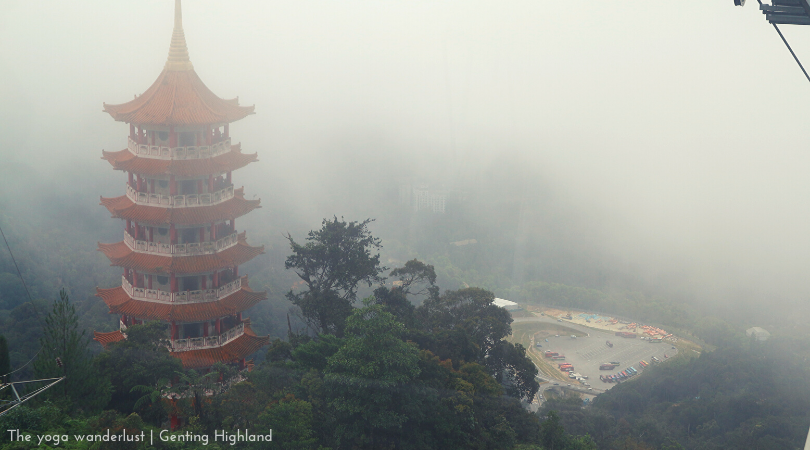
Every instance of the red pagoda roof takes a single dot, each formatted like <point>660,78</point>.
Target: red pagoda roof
<point>178,96</point>
<point>121,303</point>
<point>233,351</point>
<point>121,255</point>
<point>124,208</point>
<point>126,160</point>
<point>108,338</point>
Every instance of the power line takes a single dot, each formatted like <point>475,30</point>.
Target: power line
<point>30,298</point>
<point>15,265</point>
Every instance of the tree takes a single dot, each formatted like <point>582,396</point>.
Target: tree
<point>513,369</point>
<point>141,359</point>
<point>469,309</point>
<point>61,339</point>
<point>332,263</point>
<point>417,278</point>
<point>365,380</point>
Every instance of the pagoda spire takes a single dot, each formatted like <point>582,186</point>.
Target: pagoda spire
<point>178,51</point>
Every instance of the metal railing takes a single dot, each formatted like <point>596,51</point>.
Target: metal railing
<point>198,296</point>
<point>180,201</point>
<point>190,249</point>
<point>208,341</point>
<point>169,153</point>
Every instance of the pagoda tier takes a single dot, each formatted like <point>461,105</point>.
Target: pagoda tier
<point>178,97</point>
<point>124,208</point>
<point>232,160</point>
<point>231,352</point>
<point>120,254</point>
<point>108,338</point>
<point>122,303</point>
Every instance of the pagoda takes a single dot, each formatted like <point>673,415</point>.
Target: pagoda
<point>181,250</point>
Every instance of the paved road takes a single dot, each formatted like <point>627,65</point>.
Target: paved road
<point>588,353</point>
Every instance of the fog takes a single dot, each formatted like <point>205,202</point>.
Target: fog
<point>663,140</point>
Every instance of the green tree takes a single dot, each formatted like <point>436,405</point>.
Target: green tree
<point>83,387</point>
<point>366,380</point>
<point>141,359</point>
<point>332,263</point>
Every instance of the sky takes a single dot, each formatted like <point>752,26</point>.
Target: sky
<point>674,129</point>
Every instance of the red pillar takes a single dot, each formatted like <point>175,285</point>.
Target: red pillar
<point>131,179</point>
<point>172,234</point>
<point>202,234</point>
<point>235,271</point>
<point>136,231</point>
<point>215,281</point>
<point>205,329</point>
<point>173,283</point>
<point>129,226</point>
<point>204,281</point>
<point>172,185</point>
<point>138,183</point>
<point>213,231</point>
<point>134,278</point>
<point>151,234</point>
<point>150,280</point>
<point>239,316</point>
<point>172,137</point>
<point>199,186</point>
<point>219,326</point>
<point>174,330</point>
<point>132,131</point>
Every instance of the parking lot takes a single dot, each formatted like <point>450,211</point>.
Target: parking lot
<point>589,350</point>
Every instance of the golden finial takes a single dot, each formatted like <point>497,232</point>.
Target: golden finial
<point>178,51</point>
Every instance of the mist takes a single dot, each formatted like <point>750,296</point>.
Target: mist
<point>659,144</point>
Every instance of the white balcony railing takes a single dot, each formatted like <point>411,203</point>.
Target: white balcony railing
<point>169,153</point>
<point>180,201</point>
<point>209,341</point>
<point>199,296</point>
<point>190,249</point>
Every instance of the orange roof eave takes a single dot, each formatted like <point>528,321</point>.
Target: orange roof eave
<point>231,352</point>
<point>124,208</point>
<point>126,161</point>
<point>178,98</point>
<point>121,255</point>
<point>120,302</point>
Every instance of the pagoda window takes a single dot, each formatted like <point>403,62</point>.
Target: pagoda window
<point>192,330</point>
<point>189,235</point>
<point>188,138</point>
<point>187,187</point>
<point>189,283</point>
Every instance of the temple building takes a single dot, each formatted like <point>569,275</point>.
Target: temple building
<point>181,250</point>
